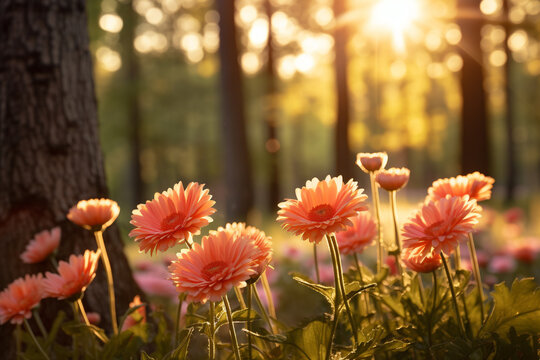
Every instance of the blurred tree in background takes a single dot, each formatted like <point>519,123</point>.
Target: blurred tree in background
<point>418,75</point>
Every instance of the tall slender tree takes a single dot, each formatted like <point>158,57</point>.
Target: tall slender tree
<point>344,156</point>
<point>237,167</point>
<point>131,77</point>
<point>475,147</point>
<point>50,155</point>
<point>271,117</point>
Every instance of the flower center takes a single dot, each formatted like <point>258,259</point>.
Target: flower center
<point>321,213</point>
<point>172,221</point>
<point>436,229</point>
<point>213,268</point>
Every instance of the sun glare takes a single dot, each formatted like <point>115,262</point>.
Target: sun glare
<point>395,16</point>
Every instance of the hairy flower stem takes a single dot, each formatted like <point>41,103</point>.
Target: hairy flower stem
<point>268,294</point>
<point>453,292</point>
<point>177,319</point>
<point>232,331</point>
<point>337,260</point>
<point>476,270</point>
<point>457,258</point>
<point>263,310</point>
<point>39,323</point>
<point>377,207</point>
<point>364,294</point>
<point>316,260</point>
<point>337,300</point>
<point>79,305</point>
<point>397,250</point>
<point>239,297</point>
<point>110,281</point>
<point>29,329</point>
<point>248,320</point>
<point>212,338</point>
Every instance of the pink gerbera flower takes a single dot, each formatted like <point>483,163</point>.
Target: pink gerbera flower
<point>393,179</point>
<point>19,298</point>
<point>440,225</point>
<point>262,243</point>
<point>41,246</point>
<point>321,207</point>
<point>357,237</point>
<point>73,277</point>
<point>221,262</point>
<point>171,217</point>
<point>421,264</point>
<point>371,162</point>
<point>476,185</point>
<point>94,214</point>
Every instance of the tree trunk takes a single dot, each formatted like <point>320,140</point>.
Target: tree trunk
<point>474,119</point>
<point>271,119</point>
<point>511,170</point>
<point>131,75</point>
<point>344,156</point>
<point>237,167</point>
<point>50,155</point>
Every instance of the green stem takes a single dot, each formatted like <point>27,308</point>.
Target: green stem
<point>212,338</point>
<point>263,310</point>
<point>18,340</point>
<point>457,258</point>
<point>248,320</point>
<point>316,260</point>
<point>239,297</point>
<point>29,329</point>
<point>232,331</point>
<point>40,325</point>
<point>433,307</point>
<point>79,304</point>
<point>337,299</point>
<point>476,270</point>
<point>177,320</point>
<point>452,291</point>
<point>420,288</point>
<point>359,269</point>
<point>268,294</point>
<point>376,205</point>
<point>53,262</point>
<point>393,203</point>
<point>110,281</point>
<point>342,288</point>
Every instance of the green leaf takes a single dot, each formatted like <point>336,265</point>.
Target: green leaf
<point>121,346</point>
<point>312,339</point>
<point>128,312</point>
<point>238,316</point>
<point>326,291</point>
<point>75,329</point>
<point>518,307</point>
<point>55,328</point>
<point>180,353</point>
<point>145,356</point>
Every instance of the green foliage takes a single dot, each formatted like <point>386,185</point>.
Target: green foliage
<point>517,308</point>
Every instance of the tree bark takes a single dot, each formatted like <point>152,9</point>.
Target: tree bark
<point>50,155</point>
<point>237,167</point>
<point>344,156</point>
<point>475,147</point>
<point>271,119</point>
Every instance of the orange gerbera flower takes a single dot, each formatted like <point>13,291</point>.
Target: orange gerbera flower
<point>422,265</point>
<point>41,246</point>
<point>357,237</point>
<point>221,262</point>
<point>262,243</point>
<point>370,162</point>
<point>440,225</point>
<point>171,217</point>
<point>19,298</point>
<point>393,178</point>
<point>322,207</point>
<point>74,277</point>
<point>476,185</point>
<point>94,214</point>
